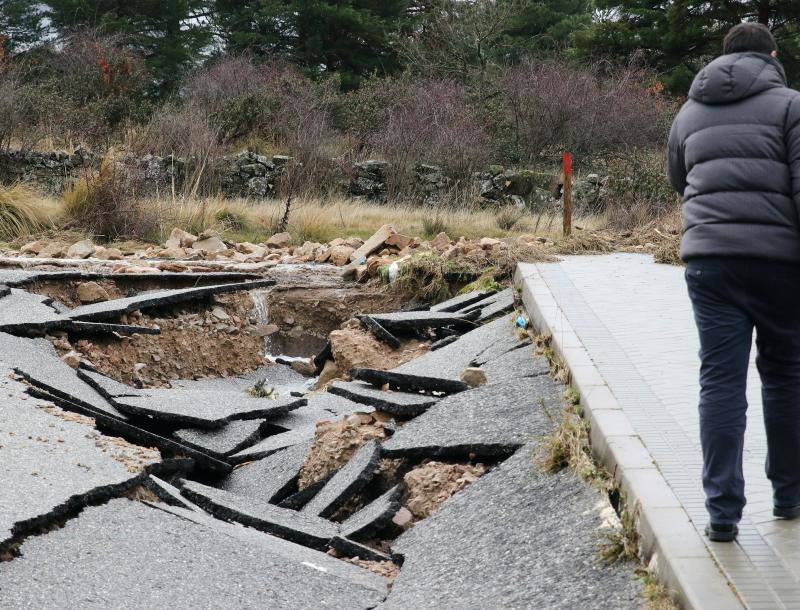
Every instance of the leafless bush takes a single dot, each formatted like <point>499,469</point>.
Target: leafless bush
<point>554,105</point>
<point>430,121</point>
<point>15,109</point>
<point>87,88</point>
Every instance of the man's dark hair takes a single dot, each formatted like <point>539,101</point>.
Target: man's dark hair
<point>749,37</point>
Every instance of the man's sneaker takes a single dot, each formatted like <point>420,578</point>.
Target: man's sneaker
<point>786,512</point>
<point>722,532</point>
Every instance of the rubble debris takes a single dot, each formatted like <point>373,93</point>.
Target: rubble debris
<point>112,549</point>
<point>408,383</point>
<point>222,442</point>
<point>344,547</point>
<point>462,301</point>
<point>380,333</point>
<point>401,404</point>
<point>429,485</point>
<point>473,376</point>
<point>91,292</point>
<point>372,518</point>
<point>118,307</point>
<point>354,348</point>
<point>511,528</point>
<point>191,343</point>
<point>414,320</point>
<point>491,420</point>
<point>203,409</point>
<point>349,480</point>
<point>335,444</point>
<point>269,480</point>
<point>300,527</point>
<point>374,243</point>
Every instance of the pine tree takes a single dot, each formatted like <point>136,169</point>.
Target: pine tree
<point>20,24</point>
<point>678,37</point>
<point>169,34</point>
<point>352,38</point>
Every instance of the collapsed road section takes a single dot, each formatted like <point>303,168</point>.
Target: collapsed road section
<point>171,456</point>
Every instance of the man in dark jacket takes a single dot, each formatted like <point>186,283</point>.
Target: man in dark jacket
<point>734,155</point>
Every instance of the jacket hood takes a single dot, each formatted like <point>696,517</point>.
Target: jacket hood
<point>736,76</point>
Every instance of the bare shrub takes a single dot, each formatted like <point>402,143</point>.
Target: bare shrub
<point>108,203</point>
<point>87,88</point>
<point>553,105</point>
<point>16,109</point>
<point>429,121</point>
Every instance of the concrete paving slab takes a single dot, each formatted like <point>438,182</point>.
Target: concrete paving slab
<point>351,479</point>
<point>203,409</point>
<point>52,462</point>
<point>159,298</point>
<point>111,550</point>
<point>269,480</point>
<point>625,327</point>
<point>501,543</point>
<point>402,404</point>
<point>491,420</point>
<point>222,442</point>
<point>462,301</point>
<point>302,528</point>
<point>374,517</point>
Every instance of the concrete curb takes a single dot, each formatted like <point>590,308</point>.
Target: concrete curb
<point>670,542</point>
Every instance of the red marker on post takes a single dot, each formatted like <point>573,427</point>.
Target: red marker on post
<point>567,164</point>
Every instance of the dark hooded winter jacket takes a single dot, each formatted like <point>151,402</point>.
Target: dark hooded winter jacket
<point>734,155</point>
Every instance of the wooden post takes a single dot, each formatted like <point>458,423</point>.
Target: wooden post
<point>567,161</point>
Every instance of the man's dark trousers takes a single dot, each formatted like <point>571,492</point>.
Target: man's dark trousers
<point>731,297</point>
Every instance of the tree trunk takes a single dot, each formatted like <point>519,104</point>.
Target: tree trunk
<point>764,11</point>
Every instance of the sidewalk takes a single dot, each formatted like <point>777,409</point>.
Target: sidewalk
<point>624,326</point>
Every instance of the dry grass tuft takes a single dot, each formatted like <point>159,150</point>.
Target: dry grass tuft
<point>25,212</point>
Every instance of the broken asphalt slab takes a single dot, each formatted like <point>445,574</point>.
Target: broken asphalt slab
<point>112,425</point>
<point>53,462</point>
<point>508,541</point>
<point>450,361</point>
<point>222,442</point>
<point>379,332</point>
<point>23,277</point>
<point>302,528</point>
<point>184,561</point>
<point>270,480</point>
<point>401,404</point>
<point>488,421</point>
<point>22,312</point>
<point>408,382</point>
<point>413,320</point>
<point>105,386</point>
<point>374,517</point>
<point>38,363</point>
<point>462,301</point>
<point>203,409</point>
<point>350,479</point>
<point>118,307</point>
<point>503,303</point>
<point>350,548</point>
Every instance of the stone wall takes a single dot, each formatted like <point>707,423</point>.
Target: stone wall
<point>248,174</point>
